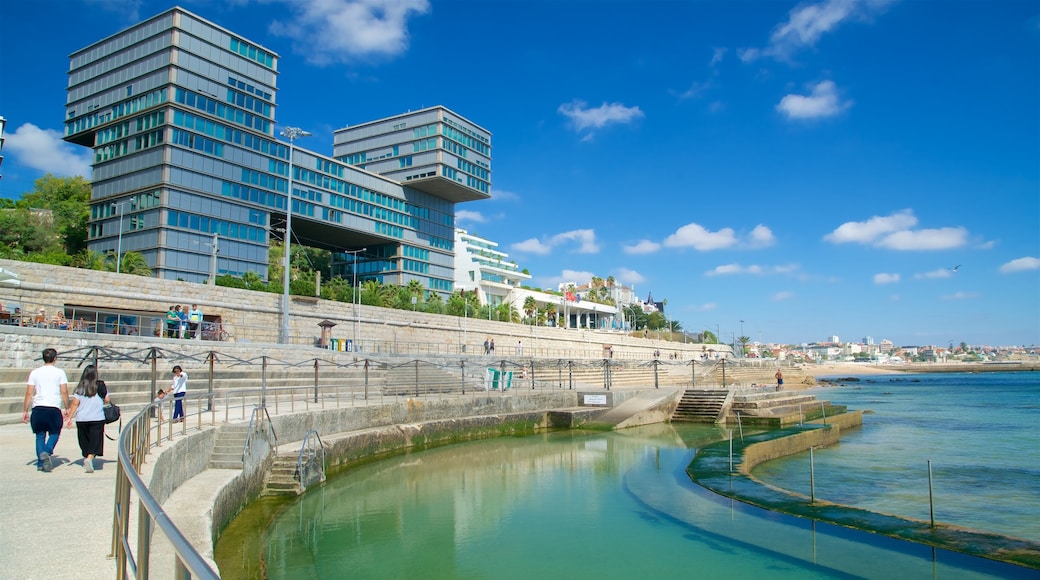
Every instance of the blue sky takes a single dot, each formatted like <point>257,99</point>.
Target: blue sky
<point>792,171</point>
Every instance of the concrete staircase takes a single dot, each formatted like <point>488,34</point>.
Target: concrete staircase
<point>227,448</point>
<point>408,379</point>
<point>777,409</point>
<point>700,406</point>
<point>282,479</point>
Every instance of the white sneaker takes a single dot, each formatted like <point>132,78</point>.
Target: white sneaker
<point>88,465</point>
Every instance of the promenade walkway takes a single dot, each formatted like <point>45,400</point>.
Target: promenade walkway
<point>57,524</point>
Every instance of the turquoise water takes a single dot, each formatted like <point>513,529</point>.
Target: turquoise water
<point>979,431</point>
<point>610,505</point>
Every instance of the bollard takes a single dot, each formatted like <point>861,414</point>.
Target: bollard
<point>931,502</point>
<point>812,478</point>
<point>731,451</point>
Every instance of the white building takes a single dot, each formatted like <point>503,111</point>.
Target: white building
<point>480,266</point>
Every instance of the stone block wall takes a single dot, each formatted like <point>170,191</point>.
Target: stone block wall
<point>255,317</point>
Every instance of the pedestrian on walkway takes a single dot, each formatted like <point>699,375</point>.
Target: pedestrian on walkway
<point>519,348</point>
<point>88,404</point>
<point>779,380</point>
<point>194,321</point>
<point>179,388</point>
<point>492,346</point>
<point>47,394</point>
<point>487,345</point>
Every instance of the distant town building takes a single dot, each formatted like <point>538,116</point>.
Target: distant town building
<point>481,266</point>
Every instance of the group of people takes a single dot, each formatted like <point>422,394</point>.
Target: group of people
<point>489,345</point>
<point>48,406</point>
<point>184,323</point>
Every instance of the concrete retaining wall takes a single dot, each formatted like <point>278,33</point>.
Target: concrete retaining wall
<point>256,317</point>
<point>799,442</point>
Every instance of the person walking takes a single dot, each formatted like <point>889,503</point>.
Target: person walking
<point>487,345</point>
<point>519,348</point>
<point>492,346</point>
<point>88,403</point>
<point>47,394</point>
<point>179,388</point>
<point>779,380</point>
<point>173,322</point>
<point>182,316</point>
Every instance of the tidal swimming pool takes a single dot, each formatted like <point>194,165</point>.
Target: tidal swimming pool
<point>608,505</point>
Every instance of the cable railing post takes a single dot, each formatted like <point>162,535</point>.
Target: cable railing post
<point>366,379</point>
<point>693,374</point>
<point>657,382</point>
<point>570,375</point>
<point>417,378</point>
<point>211,358</point>
<point>316,382</point>
<point>462,364</point>
<point>263,382</point>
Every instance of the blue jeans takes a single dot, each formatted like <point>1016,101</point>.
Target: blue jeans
<point>46,423</point>
<point>178,405</point>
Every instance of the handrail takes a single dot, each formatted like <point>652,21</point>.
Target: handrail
<point>133,444</point>
<point>310,452</point>
<point>252,422</point>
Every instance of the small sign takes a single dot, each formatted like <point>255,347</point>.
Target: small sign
<point>599,400</point>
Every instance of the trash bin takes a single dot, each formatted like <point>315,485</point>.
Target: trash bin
<point>349,345</point>
<point>335,344</point>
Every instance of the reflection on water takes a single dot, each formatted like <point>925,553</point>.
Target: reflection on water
<point>611,505</point>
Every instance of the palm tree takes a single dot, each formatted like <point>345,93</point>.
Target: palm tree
<point>90,260</point>
<point>744,340</point>
<point>530,306</point>
<point>132,263</point>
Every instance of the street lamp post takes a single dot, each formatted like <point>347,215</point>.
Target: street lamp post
<point>213,266</point>
<point>290,133</point>
<point>119,242</point>
<point>355,300</point>
<point>741,339</point>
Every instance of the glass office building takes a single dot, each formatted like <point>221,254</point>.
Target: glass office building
<point>180,114</point>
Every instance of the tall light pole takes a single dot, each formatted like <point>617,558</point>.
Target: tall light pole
<point>119,243</point>
<point>213,266</point>
<point>355,298</point>
<point>290,133</point>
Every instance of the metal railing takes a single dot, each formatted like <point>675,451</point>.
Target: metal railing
<point>308,469</point>
<point>260,425</point>
<point>134,443</point>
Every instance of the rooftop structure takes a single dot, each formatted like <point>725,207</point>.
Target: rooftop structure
<point>480,266</point>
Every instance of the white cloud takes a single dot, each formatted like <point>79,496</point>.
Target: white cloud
<point>586,238</point>
<point>44,149</point>
<point>697,237</point>
<point>1021,265</point>
<point>503,195</point>
<point>707,306</point>
<point>465,215</point>
<point>586,242</point>
<point>872,229</point>
<point>927,239</point>
<point>823,101</point>
<point>808,22</point>
<point>627,276</point>
<point>960,296</point>
<point>716,55</point>
<point>761,237</point>
<point>696,89</point>
<point>642,247</point>
<point>728,269</point>
<point>329,31</point>
<point>886,278</point>
<point>934,274</point>
<point>781,296</point>
<point>532,246</point>
<point>130,10</point>
<point>583,118</point>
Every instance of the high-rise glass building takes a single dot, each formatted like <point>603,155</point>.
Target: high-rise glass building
<point>180,114</point>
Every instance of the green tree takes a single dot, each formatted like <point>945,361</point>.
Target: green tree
<point>132,263</point>
<point>68,199</point>
<point>709,337</point>
<point>656,321</point>
<point>434,303</point>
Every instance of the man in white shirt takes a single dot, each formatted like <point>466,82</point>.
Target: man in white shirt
<point>47,394</point>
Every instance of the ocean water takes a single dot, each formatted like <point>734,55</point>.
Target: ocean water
<point>980,431</point>
<point>620,505</point>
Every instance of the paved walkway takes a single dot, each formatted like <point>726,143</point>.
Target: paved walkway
<point>57,524</point>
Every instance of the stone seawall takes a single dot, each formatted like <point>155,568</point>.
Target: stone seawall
<point>255,317</point>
